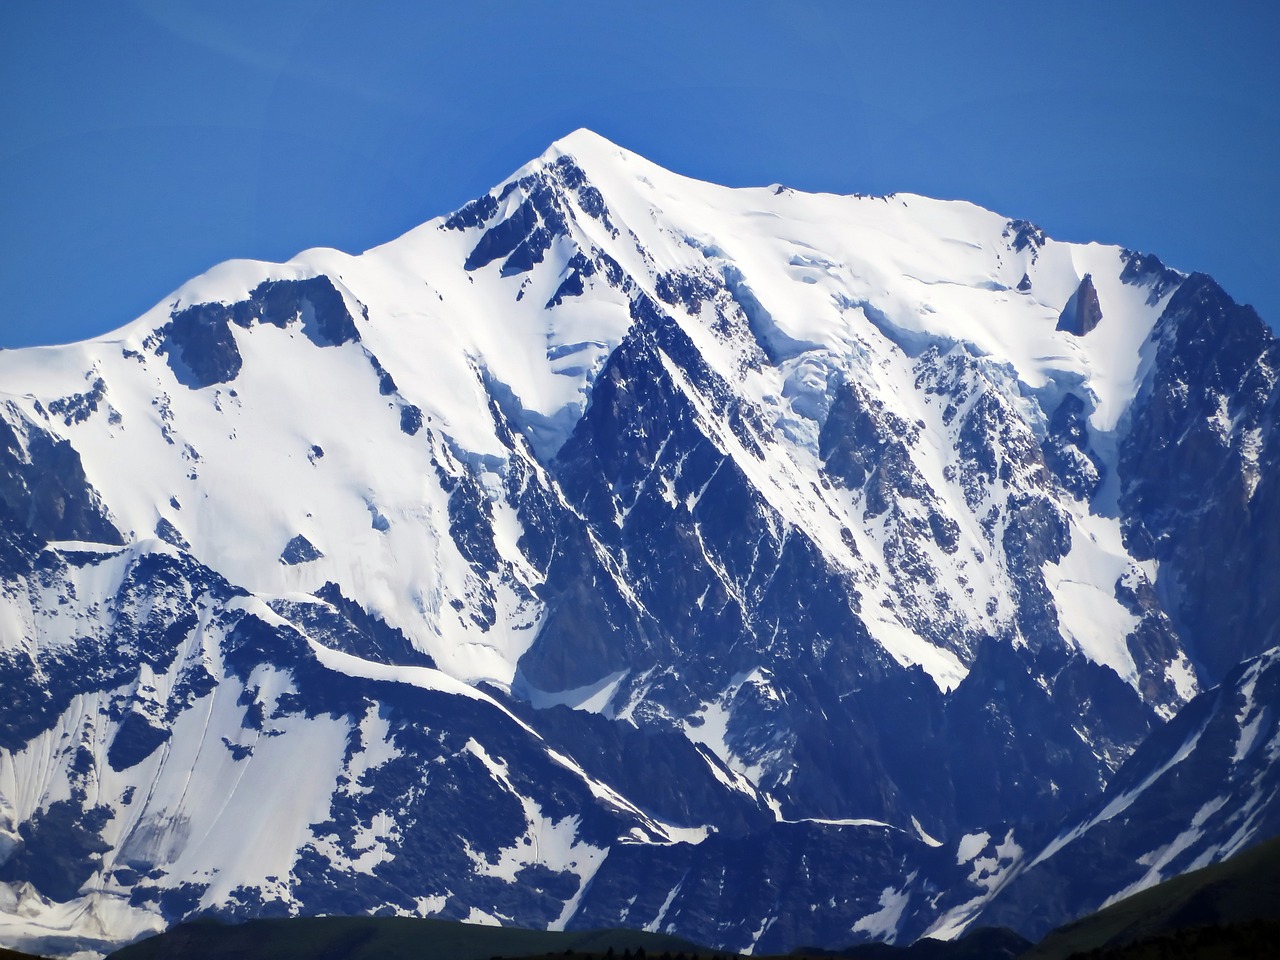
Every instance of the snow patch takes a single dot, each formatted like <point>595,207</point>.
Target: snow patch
<point>883,923</point>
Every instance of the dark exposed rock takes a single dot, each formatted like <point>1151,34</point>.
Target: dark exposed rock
<point>1022,751</point>
<point>473,214</point>
<point>779,872</point>
<point>1035,533</point>
<point>1067,451</point>
<point>525,236</point>
<point>200,346</point>
<point>500,240</point>
<point>39,685</point>
<point>340,623</point>
<point>135,740</point>
<point>171,535</point>
<point>858,436</point>
<point>1190,477</point>
<point>566,170</point>
<point>579,269</point>
<point>60,849</point>
<point>79,407</point>
<point>661,769</point>
<point>386,383</point>
<point>528,253</point>
<point>410,419</point>
<point>43,489</point>
<point>315,302</point>
<point>1082,312</point>
<point>689,289</point>
<point>1024,235</point>
<point>1146,269</point>
<point>174,902</point>
<point>299,550</point>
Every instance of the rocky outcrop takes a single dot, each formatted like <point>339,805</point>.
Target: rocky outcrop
<point>1083,312</point>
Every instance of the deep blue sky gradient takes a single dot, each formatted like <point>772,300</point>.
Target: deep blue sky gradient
<point>142,142</point>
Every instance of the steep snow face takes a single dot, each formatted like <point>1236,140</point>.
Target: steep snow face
<point>814,270</point>
<point>836,509</point>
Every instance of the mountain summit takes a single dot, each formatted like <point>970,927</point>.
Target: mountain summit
<point>764,567</point>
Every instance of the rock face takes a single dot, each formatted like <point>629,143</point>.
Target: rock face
<point>1203,421</point>
<point>1082,312</point>
<point>202,351</point>
<point>297,550</point>
<point>768,568</point>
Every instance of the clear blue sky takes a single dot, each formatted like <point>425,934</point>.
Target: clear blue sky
<point>142,142</point>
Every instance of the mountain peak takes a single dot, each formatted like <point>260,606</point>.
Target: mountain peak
<point>597,156</point>
<point>583,142</point>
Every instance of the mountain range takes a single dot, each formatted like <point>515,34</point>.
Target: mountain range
<point>759,567</point>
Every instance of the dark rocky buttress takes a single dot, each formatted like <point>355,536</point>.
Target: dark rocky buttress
<point>1200,474</point>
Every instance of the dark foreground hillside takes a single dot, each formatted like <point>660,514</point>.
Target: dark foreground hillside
<point>985,943</point>
<point>1236,901</point>
<point>1254,940</point>
<point>387,938</point>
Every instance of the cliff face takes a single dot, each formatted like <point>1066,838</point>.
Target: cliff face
<point>1083,311</point>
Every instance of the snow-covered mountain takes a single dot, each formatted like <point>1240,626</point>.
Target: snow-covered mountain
<point>767,567</point>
